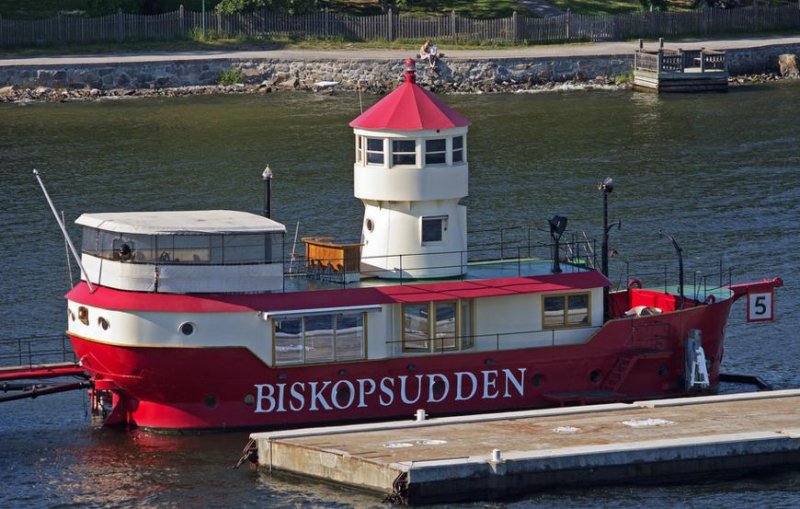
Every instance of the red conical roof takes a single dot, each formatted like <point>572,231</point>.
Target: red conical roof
<point>409,108</point>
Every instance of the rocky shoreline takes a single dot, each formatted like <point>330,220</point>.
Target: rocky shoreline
<point>26,95</point>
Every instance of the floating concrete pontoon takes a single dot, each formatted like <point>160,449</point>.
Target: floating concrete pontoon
<point>510,454</point>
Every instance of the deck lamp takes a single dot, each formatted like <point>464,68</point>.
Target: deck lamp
<point>266,176</point>
<point>679,252</point>
<point>607,186</point>
<point>557,226</point>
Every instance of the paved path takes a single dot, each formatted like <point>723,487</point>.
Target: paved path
<point>542,8</point>
<point>566,50</point>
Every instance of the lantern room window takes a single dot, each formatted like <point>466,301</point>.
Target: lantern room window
<point>375,151</point>
<point>458,149</point>
<point>436,151</point>
<point>404,152</point>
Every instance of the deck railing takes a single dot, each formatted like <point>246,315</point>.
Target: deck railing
<point>34,350</point>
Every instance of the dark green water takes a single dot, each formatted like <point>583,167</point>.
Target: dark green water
<point>719,172</point>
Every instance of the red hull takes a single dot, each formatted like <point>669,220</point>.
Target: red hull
<point>223,388</point>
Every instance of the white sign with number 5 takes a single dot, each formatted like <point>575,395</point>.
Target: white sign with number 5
<point>759,307</point>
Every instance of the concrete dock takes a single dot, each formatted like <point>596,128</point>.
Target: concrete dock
<point>510,454</point>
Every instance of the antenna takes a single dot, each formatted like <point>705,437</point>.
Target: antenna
<point>64,231</point>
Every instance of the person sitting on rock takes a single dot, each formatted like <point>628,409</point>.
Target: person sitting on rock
<point>429,52</point>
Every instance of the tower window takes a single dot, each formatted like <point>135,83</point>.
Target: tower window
<point>458,149</point>
<point>374,151</point>
<point>404,152</point>
<point>433,228</point>
<point>435,151</point>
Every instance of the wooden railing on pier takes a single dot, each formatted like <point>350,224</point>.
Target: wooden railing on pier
<point>679,70</point>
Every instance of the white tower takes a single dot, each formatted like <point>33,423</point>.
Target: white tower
<point>411,172</point>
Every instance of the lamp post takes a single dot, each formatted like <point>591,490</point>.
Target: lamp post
<point>607,186</point>
<point>557,226</point>
<point>679,252</point>
<point>266,176</point>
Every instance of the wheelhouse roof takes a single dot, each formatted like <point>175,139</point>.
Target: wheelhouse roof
<point>180,222</point>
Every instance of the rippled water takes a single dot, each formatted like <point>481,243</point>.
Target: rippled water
<point>720,172</point>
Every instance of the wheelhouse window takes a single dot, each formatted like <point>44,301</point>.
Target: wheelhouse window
<point>375,151</point>
<point>570,310</point>
<point>200,249</point>
<point>437,326</point>
<point>458,149</point>
<point>436,151</point>
<point>322,338</point>
<point>404,152</point>
<point>433,228</point>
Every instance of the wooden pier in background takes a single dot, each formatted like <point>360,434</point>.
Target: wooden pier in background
<point>668,70</point>
<point>512,454</point>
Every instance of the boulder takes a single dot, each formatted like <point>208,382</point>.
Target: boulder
<point>787,63</point>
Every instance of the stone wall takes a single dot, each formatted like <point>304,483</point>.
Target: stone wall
<point>378,76</point>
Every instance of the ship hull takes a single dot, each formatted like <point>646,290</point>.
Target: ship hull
<point>214,388</point>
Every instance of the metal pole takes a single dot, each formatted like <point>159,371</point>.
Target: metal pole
<point>64,231</point>
<point>266,176</point>
<point>679,251</point>
<point>607,186</point>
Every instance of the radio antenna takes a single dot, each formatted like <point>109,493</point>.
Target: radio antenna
<point>64,231</point>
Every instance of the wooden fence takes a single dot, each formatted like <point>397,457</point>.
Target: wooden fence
<point>452,28</point>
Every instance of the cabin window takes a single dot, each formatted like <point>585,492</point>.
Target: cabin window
<point>433,228</point>
<point>436,151</point>
<point>437,326</point>
<point>565,311</point>
<point>375,151</point>
<point>404,152</point>
<point>321,338</point>
<point>458,149</point>
<point>184,249</point>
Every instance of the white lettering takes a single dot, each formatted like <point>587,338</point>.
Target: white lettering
<point>260,397</point>
<point>296,390</point>
<point>327,395</point>
<point>362,392</point>
<point>403,395</point>
<point>519,384</point>
<point>432,383</point>
<point>387,386</point>
<point>337,390</point>
<point>280,407</point>
<point>460,387</point>
<point>490,382</point>
<point>317,396</point>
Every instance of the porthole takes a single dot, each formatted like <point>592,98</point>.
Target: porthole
<point>210,401</point>
<point>83,315</point>
<point>537,380</point>
<point>595,376</point>
<point>187,328</point>
<point>370,225</point>
<point>249,400</point>
<point>438,388</point>
<point>103,323</point>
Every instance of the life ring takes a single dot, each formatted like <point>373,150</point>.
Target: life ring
<point>634,283</point>
<point>710,299</point>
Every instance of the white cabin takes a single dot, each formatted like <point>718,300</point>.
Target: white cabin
<point>183,251</point>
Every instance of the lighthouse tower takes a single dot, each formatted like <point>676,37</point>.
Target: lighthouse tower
<point>411,172</point>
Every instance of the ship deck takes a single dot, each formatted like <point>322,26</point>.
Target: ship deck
<point>502,455</point>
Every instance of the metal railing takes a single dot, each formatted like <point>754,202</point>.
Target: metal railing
<point>35,350</point>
